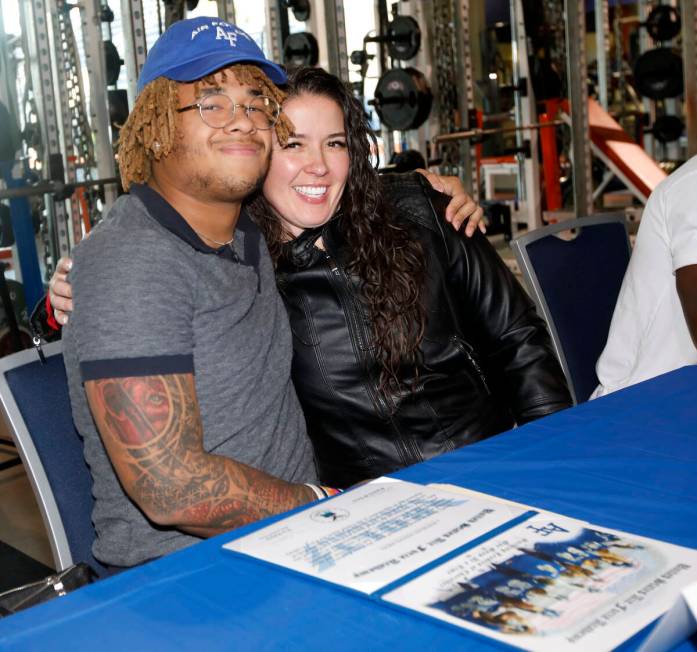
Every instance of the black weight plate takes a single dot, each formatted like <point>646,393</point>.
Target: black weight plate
<point>663,23</point>
<point>300,9</point>
<point>300,49</point>
<point>403,98</point>
<point>404,38</point>
<point>112,63</point>
<point>118,107</point>
<point>667,128</point>
<point>658,74</point>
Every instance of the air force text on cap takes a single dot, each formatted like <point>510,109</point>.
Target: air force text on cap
<point>223,30</point>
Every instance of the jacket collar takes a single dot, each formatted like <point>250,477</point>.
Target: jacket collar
<point>302,252</point>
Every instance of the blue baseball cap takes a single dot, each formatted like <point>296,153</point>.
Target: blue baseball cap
<point>193,48</point>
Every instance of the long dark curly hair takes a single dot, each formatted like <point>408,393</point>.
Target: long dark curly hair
<point>382,254</point>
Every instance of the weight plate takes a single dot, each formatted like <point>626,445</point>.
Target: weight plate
<point>404,38</point>
<point>658,74</point>
<point>300,49</point>
<point>667,128</point>
<point>403,99</point>
<point>112,61</point>
<point>300,9</point>
<point>663,23</point>
<point>118,107</point>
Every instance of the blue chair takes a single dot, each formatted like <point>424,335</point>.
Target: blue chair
<point>37,414</point>
<point>575,284</point>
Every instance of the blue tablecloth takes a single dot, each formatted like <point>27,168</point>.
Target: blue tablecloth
<point>626,461</point>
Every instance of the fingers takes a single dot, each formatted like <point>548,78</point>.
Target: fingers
<point>462,207</point>
<point>64,265</point>
<point>60,291</point>
<point>452,186</point>
<point>61,317</point>
<point>476,221</point>
<point>433,179</point>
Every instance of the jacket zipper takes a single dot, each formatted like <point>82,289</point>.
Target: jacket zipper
<point>356,330</point>
<point>468,354</point>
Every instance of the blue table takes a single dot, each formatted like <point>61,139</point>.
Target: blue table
<point>626,461</point>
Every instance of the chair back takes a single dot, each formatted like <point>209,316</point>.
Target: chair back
<point>37,413</point>
<point>575,284</point>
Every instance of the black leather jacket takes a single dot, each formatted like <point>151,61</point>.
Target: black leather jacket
<point>488,362</point>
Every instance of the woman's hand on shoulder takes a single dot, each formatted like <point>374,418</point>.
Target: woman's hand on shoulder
<point>461,207</point>
<point>61,292</point>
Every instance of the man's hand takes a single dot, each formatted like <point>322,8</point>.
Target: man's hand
<point>461,207</point>
<point>152,432</point>
<point>686,284</point>
<point>61,292</point>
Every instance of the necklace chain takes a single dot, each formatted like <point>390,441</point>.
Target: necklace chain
<point>220,244</point>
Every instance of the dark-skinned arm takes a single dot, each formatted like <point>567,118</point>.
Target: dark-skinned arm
<point>152,432</point>
<point>686,284</point>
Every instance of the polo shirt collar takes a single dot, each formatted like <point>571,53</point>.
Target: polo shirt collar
<point>166,215</point>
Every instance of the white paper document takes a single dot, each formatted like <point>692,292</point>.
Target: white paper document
<point>553,584</point>
<point>375,534</point>
<point>676,626</point>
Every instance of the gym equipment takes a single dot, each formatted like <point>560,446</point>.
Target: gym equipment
<point>658,74</point>
<point>477,135</point>
<point>663,23</point>
<point>118,107</point>
<point>51,187</point>
<point>667,128</point>
<point>617,150</point>
<point>403,98</point>
<point>113,63</point>
<point>300,9</point>
<point>403,38</point>
<point>300,49</point>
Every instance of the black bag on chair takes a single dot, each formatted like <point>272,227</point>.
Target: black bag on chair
<point>46,589</point>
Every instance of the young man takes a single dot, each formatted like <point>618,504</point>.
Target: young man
<point>654,326</point>
<point>178,351</point>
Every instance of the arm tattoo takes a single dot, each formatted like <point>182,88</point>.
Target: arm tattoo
<point>152,430</point>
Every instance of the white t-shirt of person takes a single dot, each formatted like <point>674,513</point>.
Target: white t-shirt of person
<point>649,334</point>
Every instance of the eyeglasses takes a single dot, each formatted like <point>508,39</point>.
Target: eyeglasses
<point>218,111</point>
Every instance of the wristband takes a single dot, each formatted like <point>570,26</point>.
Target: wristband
<point>316,490</point>
<point>322,491</point>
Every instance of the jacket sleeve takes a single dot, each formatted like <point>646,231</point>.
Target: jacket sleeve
<point>500,321</point>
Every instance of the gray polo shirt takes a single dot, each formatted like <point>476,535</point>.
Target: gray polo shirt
<point>150,298</point>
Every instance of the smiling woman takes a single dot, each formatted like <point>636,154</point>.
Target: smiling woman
<point>306,181</point>
<point>408,340</point>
